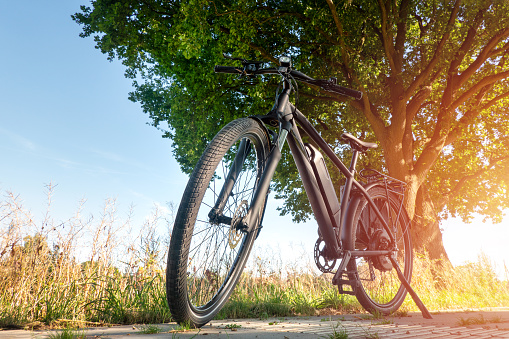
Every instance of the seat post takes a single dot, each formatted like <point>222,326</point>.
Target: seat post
<point>345,198</point>
<point>353,163</point>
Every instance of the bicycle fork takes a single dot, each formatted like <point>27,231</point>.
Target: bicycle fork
<point>252,218</point>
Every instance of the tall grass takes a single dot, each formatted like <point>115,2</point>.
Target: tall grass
<point>87,270</point>
<point>81,269</point>
<point>473,285</point>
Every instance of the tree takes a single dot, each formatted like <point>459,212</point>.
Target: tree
<point>434,77</point>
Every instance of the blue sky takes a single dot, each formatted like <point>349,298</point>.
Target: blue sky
<point>65,119</point>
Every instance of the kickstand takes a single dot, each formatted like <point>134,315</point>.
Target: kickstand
<point>417,300</point>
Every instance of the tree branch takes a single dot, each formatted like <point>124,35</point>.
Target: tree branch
<point>488,80</point>
<point>335,16</point>
<point>401,34</point>
<point>452,83</point>
<point>387,37</point>
<point>344,52</point>
<point>471,115</point>
<point>438,53</point>
<point>371,113</point>
<point>415,103</point>
<point>411,111</point>
<point>482,57</point>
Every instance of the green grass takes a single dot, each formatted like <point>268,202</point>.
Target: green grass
<point>150,329</point>
<point>68,333</point>
<point>233,327</point>
<point>338,332</point>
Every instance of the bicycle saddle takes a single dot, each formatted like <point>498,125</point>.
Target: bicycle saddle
<point>357,144</point>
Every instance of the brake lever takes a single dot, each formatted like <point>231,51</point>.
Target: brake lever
<point>249,65</point>
<point>226,56</point>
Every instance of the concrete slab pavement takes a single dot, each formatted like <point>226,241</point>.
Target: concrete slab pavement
<point>474,324</point>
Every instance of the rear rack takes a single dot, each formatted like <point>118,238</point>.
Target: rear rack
<point>390,184</point>
<point>394,185</point>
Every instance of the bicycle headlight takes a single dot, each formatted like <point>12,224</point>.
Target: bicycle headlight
<point>285,61</point>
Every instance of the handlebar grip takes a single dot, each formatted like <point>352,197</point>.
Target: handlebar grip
<point>347,91</point>
<point>301,76</point>
<point>228,69</point>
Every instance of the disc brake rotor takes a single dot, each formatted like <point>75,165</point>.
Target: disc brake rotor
<point>235,235</point>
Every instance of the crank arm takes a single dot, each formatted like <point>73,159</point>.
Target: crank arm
<point>345,260</point>
<point>369,253</point>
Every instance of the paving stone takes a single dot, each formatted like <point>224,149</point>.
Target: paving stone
<point>294,328</point>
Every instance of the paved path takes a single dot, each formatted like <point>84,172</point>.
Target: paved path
<point>448,325</point>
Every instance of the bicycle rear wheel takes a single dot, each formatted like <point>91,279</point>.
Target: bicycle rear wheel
<point>379,289</point>
<point>208,249</point>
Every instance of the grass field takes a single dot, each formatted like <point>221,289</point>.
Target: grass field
<point>87,271</point>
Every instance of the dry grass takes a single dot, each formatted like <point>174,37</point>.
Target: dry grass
<point>87,271</point>
<point>471,286</point>
<point>68,272</point>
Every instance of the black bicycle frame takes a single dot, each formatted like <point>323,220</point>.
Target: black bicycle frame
<point>289,117</point>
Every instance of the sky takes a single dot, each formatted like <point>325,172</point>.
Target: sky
<point>65,120</point>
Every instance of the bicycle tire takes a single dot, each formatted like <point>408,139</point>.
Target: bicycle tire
<point>206,257</point>
<point>378,288</point>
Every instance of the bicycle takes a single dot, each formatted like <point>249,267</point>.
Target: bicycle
<point>223,205</point>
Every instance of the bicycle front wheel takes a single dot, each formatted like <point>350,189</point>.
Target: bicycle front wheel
<point>379,289</point>
<point>208,247</point>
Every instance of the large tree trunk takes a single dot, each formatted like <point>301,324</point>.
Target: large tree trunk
<point>426,233</point>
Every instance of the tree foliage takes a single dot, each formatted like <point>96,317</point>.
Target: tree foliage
<point>434,75</point>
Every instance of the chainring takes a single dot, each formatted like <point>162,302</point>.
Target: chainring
<point>323,263</point>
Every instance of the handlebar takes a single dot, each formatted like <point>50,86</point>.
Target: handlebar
<point>327,85</point>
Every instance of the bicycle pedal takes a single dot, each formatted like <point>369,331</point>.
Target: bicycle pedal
<point>343,291</point>
<point>343,280</point>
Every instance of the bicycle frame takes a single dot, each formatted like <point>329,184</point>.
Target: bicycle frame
<point>289,117</point>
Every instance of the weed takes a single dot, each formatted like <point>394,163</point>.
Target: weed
<point>368,334</point>
<point>401,313</point>
<point>150,329</point>
<point>186,326</point>
<point>68,333</point>
<point>338,334</point>
<point>366,316</point>
<point>496,320</point>
<point>264,316</point>
<point>233,327</point>
<point>378,315</point>
<point>479,320</point>
<point>382,322</point>
<point>176,336</point>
